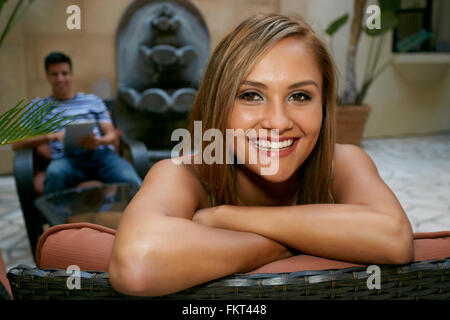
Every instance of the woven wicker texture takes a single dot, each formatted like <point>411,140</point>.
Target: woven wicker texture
<point>420,280</point>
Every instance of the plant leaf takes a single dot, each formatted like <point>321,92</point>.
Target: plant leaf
<point>24,121</point>
<point>335,25</point>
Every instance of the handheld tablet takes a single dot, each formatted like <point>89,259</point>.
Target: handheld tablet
<point>77,130</point>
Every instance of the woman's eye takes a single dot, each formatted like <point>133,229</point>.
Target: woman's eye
<point>250,96</point>
<point>300,97</point>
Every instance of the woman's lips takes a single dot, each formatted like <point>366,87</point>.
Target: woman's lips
<point>280,147</point>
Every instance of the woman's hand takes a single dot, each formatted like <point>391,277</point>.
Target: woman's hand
<point>208,216</point>
<point>219,217</point>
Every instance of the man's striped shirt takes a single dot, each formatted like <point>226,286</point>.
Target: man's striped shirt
<point>84,107</point>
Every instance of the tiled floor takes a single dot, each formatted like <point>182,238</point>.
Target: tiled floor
<point>13,237</point>
<point>416,168</point>
<point>418,171</point>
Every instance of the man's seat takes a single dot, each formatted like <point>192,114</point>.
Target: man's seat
<point>29,173</point>
<point>42,158</point>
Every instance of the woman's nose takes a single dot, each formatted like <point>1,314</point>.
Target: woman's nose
<point>276,117</point>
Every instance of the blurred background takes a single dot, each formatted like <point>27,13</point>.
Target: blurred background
<point>410,97</point>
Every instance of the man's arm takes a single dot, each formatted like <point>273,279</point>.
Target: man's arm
<point>36,141</point>
<point>92,141</point>
<point>367,225</point>
<point>108,132</point>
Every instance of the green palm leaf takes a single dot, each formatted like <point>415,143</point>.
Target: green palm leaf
<point>335,25</point>
<point>26,120</point>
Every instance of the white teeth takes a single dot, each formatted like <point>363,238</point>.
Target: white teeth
<point>265,144</point>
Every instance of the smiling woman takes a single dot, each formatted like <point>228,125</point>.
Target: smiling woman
<point>285,90</point>
<point>195,222</point>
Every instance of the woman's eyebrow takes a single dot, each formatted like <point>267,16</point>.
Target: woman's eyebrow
<point>292,86</point>
<point>303,83</point>
<point>254,83</point>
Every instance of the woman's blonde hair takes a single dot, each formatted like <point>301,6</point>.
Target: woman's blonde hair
<point>228,67</point>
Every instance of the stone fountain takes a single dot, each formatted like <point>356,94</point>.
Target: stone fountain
<point>163,48</point>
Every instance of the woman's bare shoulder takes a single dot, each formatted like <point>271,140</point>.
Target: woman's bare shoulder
<point>179,175</point>
<point>354,173</point>
<point>347,156</point>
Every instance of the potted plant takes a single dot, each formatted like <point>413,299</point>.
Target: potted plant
<point>352,112</point>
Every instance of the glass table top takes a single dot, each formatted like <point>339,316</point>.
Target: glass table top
<point>101,204</point>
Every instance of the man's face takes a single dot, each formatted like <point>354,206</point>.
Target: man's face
<point>60,77</point>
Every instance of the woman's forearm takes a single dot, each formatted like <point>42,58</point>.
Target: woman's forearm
<point>338,231</point>
<point>176,253</point>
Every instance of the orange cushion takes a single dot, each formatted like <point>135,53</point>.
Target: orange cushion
<point>3,279</point>
<point>89,246</point>
<point>431,245</point>
<point>84,244</point>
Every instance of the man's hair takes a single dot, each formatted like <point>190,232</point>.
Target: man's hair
<point>56,57</point>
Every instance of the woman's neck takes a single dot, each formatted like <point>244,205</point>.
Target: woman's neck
<point>253,190</point>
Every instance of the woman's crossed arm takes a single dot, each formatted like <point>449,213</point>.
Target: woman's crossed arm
<point>366,225</point>
<point>158,249</point>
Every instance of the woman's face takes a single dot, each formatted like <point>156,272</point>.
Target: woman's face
<point>283,92</point>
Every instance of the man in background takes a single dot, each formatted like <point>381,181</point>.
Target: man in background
<point>95,158</point>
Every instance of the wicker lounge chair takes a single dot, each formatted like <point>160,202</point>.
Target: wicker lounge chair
<point>295,278</point>
<point>419,280</point>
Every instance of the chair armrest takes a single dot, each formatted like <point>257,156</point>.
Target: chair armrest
<point>24,175</point>
<point>156,155</point>
<point>135,152</point>
<point>24,172</point>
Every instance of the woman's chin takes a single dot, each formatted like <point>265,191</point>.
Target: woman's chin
<point>276,178</point>
<point>272,174</point>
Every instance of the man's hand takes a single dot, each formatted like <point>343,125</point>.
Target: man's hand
<point>57,136</point>
<point>90,142</point>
